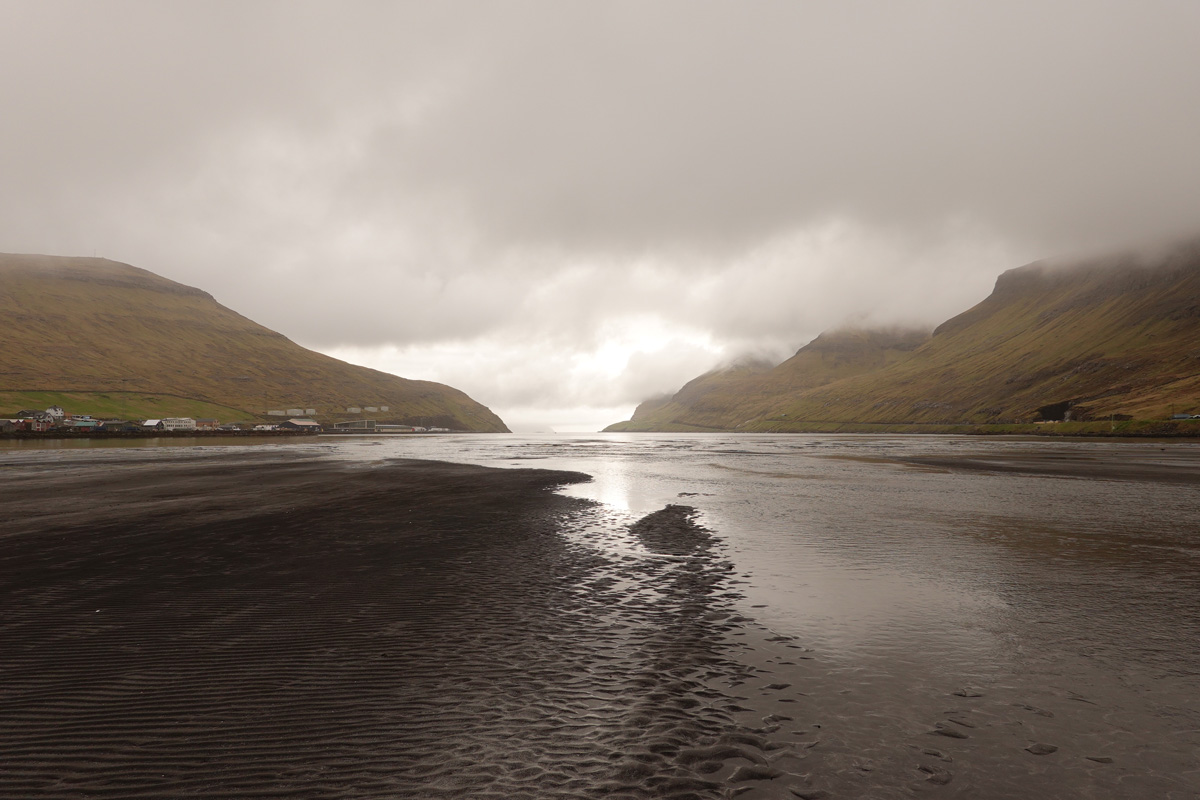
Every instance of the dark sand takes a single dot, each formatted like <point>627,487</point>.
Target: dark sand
<point>280,625</point>
<point>275,626</point>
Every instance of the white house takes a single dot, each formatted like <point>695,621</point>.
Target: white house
<point>179,424</point>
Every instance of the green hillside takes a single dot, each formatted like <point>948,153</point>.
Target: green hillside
<point>120,405</point>
<point>1097,339</point>
<point>746,391</point>
<point>117,340</point>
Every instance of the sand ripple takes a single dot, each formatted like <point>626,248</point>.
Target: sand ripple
<point>415,630</point>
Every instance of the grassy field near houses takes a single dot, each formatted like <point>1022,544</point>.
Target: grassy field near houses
<point>120,405</point>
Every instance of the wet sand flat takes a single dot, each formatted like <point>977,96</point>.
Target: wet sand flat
<point>280,624</point>
<point>1146,462</point>
<point>271,626</point>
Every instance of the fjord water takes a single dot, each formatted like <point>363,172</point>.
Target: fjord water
<point>1058,581</point>
<point>861,548</point>
<point>1013,616</point>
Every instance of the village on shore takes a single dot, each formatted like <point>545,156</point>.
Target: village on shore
<point>55,420</point>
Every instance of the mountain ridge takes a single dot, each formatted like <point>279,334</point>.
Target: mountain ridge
<point>91,325</point>
<point>1100,337</point>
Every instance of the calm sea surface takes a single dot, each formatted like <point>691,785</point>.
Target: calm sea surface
<point>1069,594</point>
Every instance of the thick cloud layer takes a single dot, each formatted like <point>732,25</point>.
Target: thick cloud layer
<point>560,207</point>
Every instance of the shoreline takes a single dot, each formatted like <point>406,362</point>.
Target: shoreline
<point>1134,429</point>
<point>101,435</point>
<point>208,434</point>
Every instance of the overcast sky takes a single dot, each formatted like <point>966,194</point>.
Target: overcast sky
<point>563,208</point>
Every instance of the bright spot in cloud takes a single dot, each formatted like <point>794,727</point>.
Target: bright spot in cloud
<point>623,339</point>
<point>533,383</point>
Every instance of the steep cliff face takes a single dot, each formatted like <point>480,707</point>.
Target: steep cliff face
<point>648,408</point>
<point>1117,335</point>
<point>93,325</point>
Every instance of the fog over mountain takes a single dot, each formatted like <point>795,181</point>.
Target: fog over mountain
<point>565,208</point>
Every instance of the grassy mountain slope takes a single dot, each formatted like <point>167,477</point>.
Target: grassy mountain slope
<point>93,326</point>
<point>1118,335</point>
<point>121,405</point>
<point>747,391</point>
<point>704,403</point>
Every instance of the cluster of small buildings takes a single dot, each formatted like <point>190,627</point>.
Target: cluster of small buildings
<point>299,421</point>
<point>56,419</point>
<point>53,418</point>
